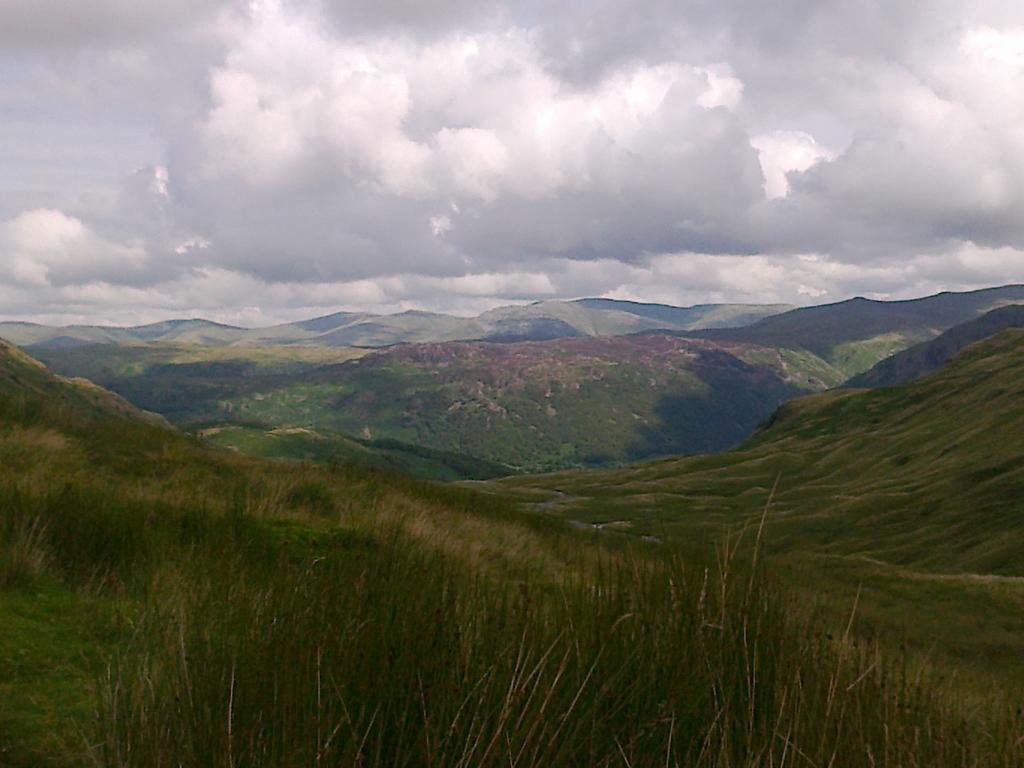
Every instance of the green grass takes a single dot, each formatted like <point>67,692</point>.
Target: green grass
<point>919,487</point>
<point>47,650</point>
<point>248,641</point>
<point>323,446</point>
<point>177,606</point>
<point>854,357</point>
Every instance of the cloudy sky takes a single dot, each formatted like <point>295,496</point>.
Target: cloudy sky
<point>268,160</point>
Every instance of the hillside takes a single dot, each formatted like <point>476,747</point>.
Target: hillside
<point>853,335</point>
<point>187,383</point>
<point>929,356</point>
<point>25,383</point>
<point>191,385</point>
<point>908,501</point>
<point>535,405</point>
<point>337,449</point>
<point>927,474</point>
<point>165,604</point>
<point>545,405</point>
<point>540,320</point>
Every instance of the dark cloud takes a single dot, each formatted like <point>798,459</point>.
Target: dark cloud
<point>54,24</point>
<point>267,158</point>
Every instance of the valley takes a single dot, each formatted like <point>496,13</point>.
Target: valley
<point>232,525</point>
<point>160,597</point>
<point>511,385</point>
<point>911,494</point>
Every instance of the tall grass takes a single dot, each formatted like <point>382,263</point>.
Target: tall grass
<point>257,631</point>
<point>379,652</point>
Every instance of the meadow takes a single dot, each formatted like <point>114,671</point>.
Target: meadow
<point>167,604</point>
<point>911,494</point>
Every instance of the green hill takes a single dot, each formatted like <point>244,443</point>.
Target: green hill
<point>192,385</point>
<point>928,474</point>
<point>854,335</point>
<point>911,495</point>
<point>25,384</point>
<point>187,383</point>
<point>165,604</point>
<point>545,405</point>
<point>929,356</point>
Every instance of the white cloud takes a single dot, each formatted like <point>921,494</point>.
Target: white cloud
<point>471,116</point>
<point>475,159</point>
<point>781,152</point>
<point>44,247</point>
<point>158,186</point>
<point>439,225</point>
<point>811,291</point>
<point>192,244</point>
<point>723,90</point>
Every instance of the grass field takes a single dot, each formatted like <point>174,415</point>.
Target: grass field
<point>166,605</point>
<point>915,492</point>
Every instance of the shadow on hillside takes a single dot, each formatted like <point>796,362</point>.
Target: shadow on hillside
<point>736,400</point>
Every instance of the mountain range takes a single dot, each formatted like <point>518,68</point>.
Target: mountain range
<point>585,400</point>
<point>853,335</point>
<point>540,320</point>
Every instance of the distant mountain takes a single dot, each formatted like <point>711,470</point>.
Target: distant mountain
<point>202,332</point>
<point>541,320</point>
<point>849,336</point>
<point>929,356</point>
<point>853,335</point>
<point>696,317</point>
<point>542,405</point>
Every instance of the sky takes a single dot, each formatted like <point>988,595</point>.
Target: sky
<point>258,162</point>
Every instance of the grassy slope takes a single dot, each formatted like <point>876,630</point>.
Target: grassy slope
<point>95,478</point>
<point>325,447</point>
<point>927,474</point>
<point>25,383</point>
<point>929,356</point>
<point>914,491</point>
<point>165,605</point>
<point>854,335</point>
